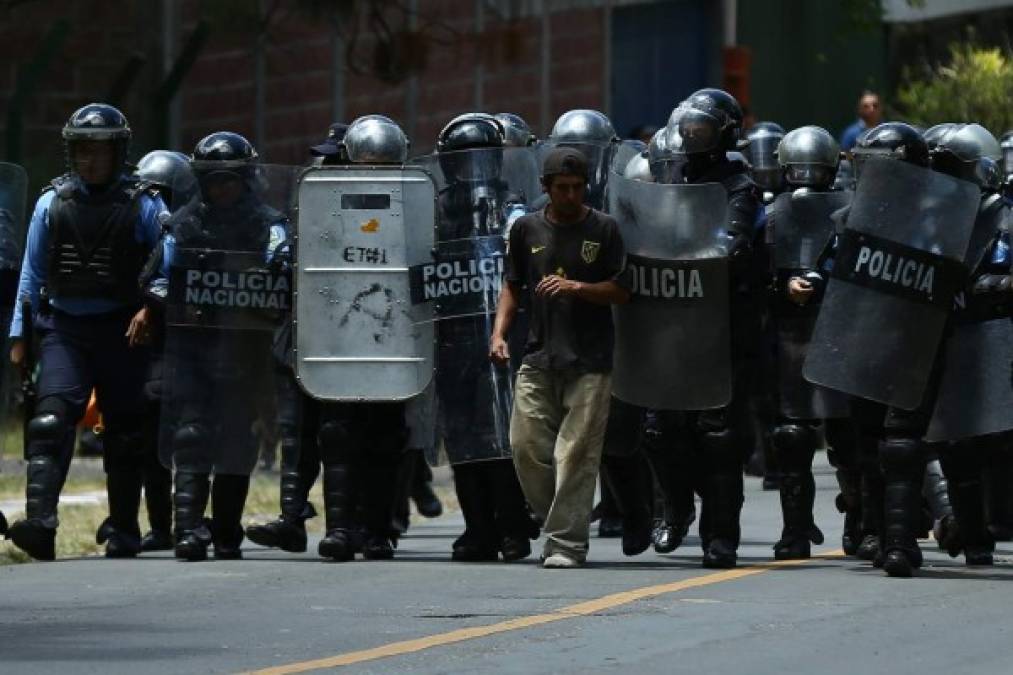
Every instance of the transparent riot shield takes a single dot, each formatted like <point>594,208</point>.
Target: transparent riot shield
<point>975,395</point>
<point>361,231</point>
<point>899,262</point>
<point>673,349</point>
<point>13,225</point>
<point>481,192</point>
<point>229,288</point>
<point>800,229</point>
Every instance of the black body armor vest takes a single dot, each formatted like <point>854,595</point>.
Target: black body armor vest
<point>93,249</point>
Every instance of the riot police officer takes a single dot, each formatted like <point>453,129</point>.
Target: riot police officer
<point>966,433</point>
<point>90,234</point>
<point>363,445</point>
<point>218,343</point>
<point>170,171</point>
<point>707,444</point>
<point>297,414</point>
<point>891,367</point>
<point>476,204</point>
<point>799,227</point>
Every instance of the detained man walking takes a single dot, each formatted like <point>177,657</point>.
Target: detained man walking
<point>569,259</point>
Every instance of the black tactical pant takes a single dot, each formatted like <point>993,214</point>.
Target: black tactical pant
<point>627,473</point>
<point>78,354</point>
<point>699,450</point>
<point>362,447</point>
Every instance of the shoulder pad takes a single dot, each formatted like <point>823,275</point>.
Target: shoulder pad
<point>61,185</point>
<point>738,182</point>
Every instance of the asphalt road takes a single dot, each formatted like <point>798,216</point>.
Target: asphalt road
<point>423,614</point>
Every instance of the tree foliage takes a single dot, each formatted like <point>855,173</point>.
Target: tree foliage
<point>976,85</point>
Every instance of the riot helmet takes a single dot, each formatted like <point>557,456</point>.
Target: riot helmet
<point>935,132</point>
<point>763,139</point>
<point>225,164</point>
<point>892,140</point>
<point>639,168</point>
<point>171,172</point>
<point>969,152</point>
<point>809,157</point>
<point>665,158</point>
<point>711,123</point>
<point>516,129</point>
<point>470,148</point>
<point>375,139</point>
<point>90,125</point>
<point>583,126</point>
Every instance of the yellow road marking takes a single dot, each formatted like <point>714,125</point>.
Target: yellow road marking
<point>589,607</point>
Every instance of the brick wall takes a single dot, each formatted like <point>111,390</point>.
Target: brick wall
<point>219,92</point>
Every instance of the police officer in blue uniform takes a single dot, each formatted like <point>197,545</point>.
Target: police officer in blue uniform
<point>90,234</point>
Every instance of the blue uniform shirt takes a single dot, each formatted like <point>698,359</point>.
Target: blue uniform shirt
<point>35,266</point>
<point>851,135</point>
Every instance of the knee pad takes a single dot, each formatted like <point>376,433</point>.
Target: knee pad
<point>795,443</point>
<point>189,437</point>
<point>47,427</point>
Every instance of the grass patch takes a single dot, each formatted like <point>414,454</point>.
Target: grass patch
<point>79,522</point>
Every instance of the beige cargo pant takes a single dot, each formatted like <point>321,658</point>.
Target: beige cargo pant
<point>557,430</point>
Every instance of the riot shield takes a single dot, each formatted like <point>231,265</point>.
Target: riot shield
<point>361,230</point>
<point>899,262</point>
<point>13,224</point>
<point>673,349</point>
<point>802,226</point>
<point>800,230</point>
<point>975,395</point>
<point>481,191</point>
<point>229,288</point>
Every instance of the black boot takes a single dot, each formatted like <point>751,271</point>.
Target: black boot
<point>849,502</point>
<point>798,493</point>
<point>120,532</point>
<point>795,443</point>
<point>480,540</point>
<point>158,498</point>
<point>513,521</point>
<point>426,502</point>
<point>667,447</point>
<point>964,466</point>
<point>36,533</point>
<point>228,497</point>
<point>190,500</point>
<point>339,508</point>
<point>998,480</point>
<point>380,478</point>
<point>288,532</point>
<point>625,477</point>
<point>719,522</point>
<point>872,513</point>
<point>903,473</point>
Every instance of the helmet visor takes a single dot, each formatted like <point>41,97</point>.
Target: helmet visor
<point>700,132</point>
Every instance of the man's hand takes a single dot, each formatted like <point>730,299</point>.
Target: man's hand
<point>799,290</point>
<point>18,352</point>
<point>499,351</point>
<point>554,285</point>
<point>139,330</point>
